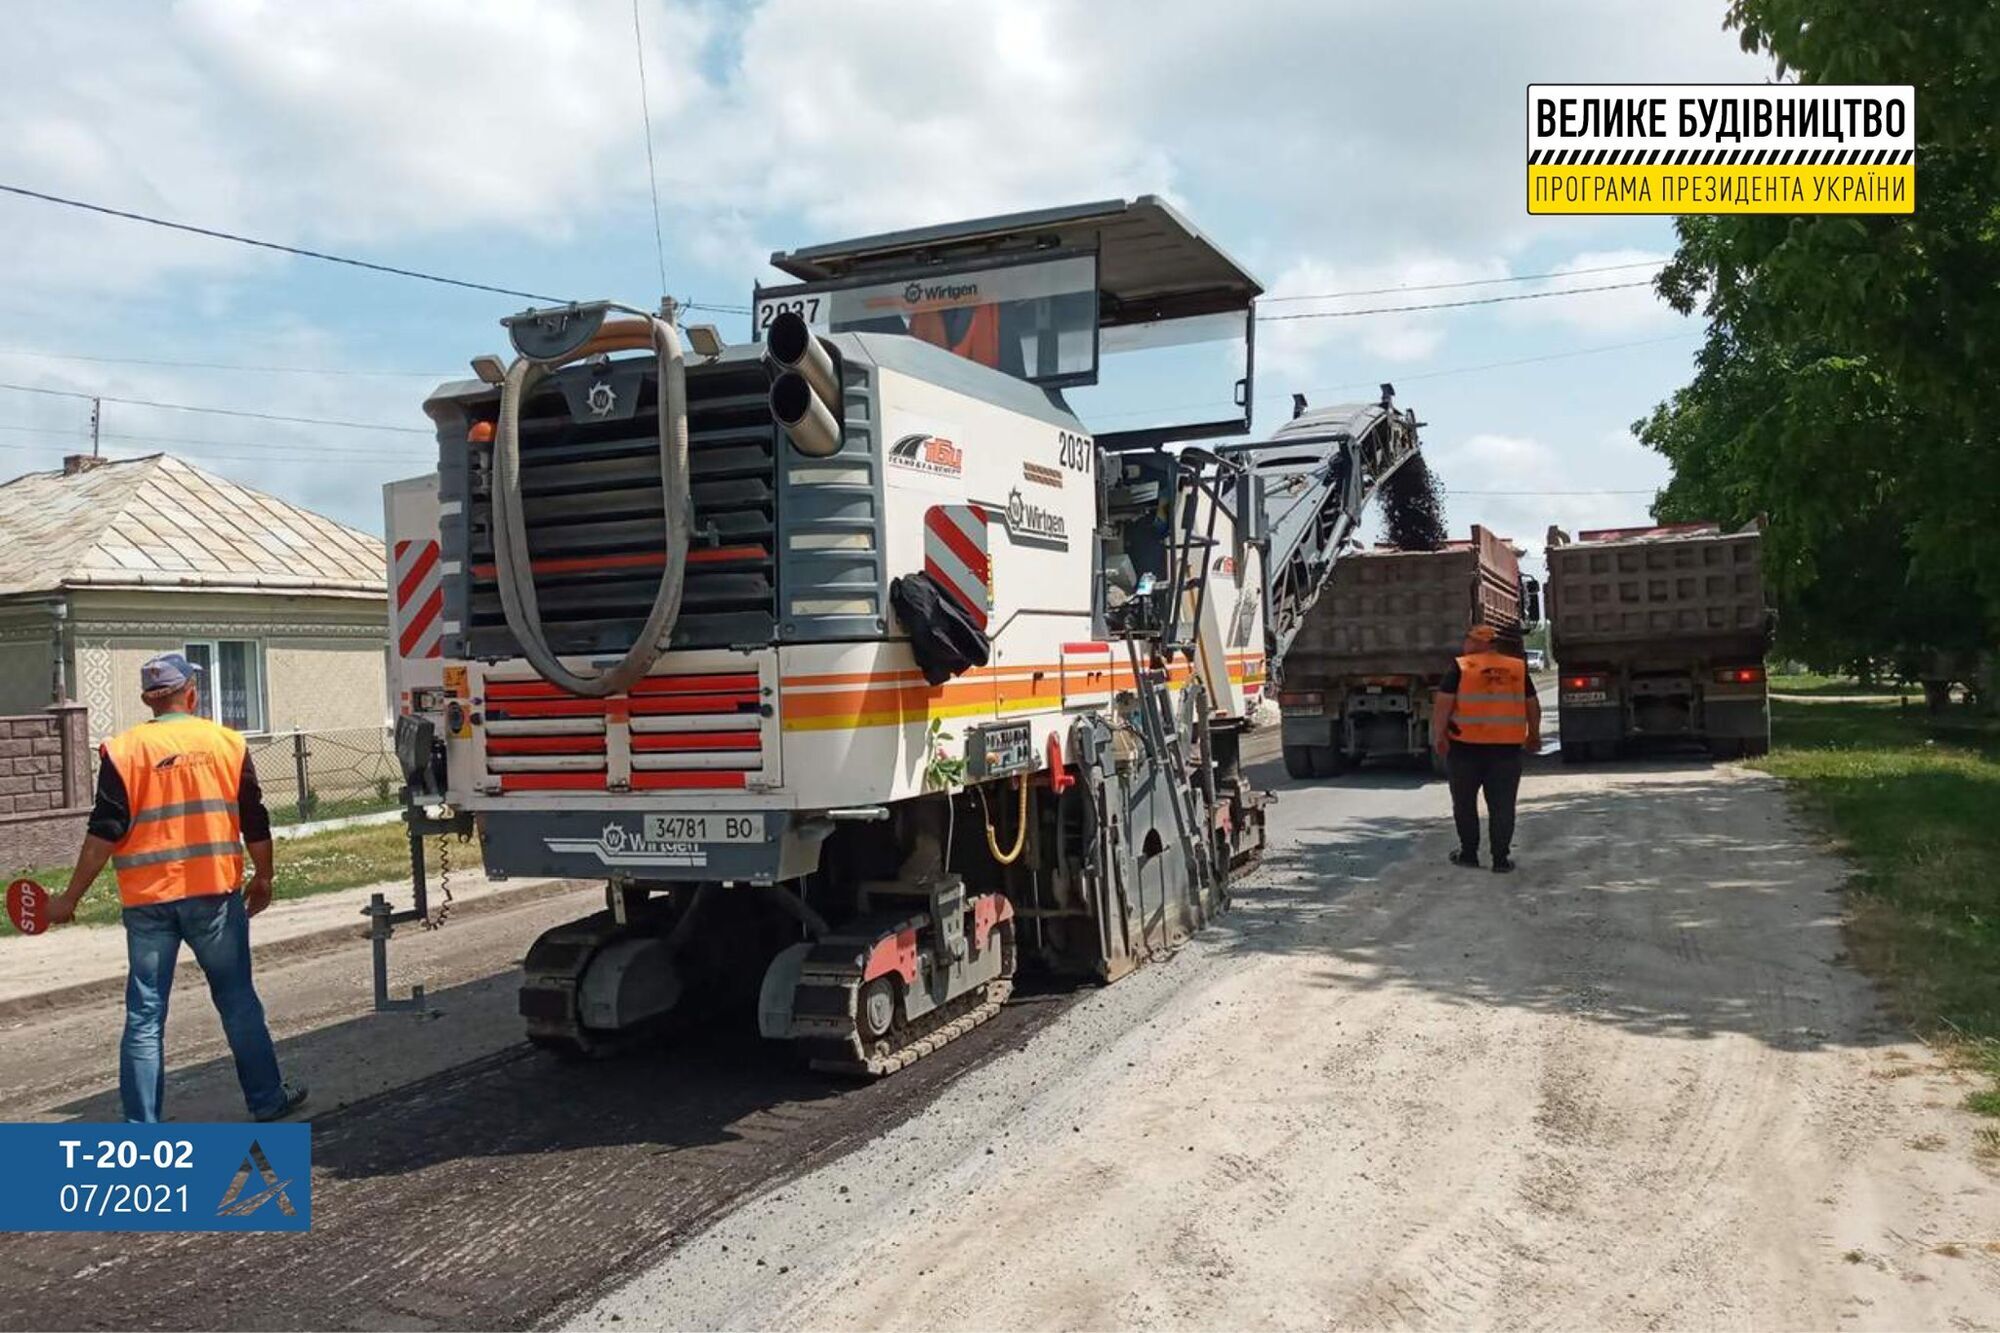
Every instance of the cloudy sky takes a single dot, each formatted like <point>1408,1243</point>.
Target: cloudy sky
<point>1331,145</point>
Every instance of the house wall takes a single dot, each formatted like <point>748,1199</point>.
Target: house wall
<point>45,787</point>
<point>27,658</point>
<point>322,656</point>
<point>325,684</point>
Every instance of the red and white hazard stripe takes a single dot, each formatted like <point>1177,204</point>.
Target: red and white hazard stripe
<point>417,599</point>
<point>955,557</point>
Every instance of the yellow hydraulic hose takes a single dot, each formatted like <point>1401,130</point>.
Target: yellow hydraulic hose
<point>1013,854</point>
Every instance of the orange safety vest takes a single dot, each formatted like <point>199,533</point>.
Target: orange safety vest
<point>181,778</point>
<point>980,342</point>
<point>1492,706</point>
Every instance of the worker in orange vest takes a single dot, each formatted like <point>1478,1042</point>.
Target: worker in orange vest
<point>176,797</point>
<point>972,332</point>
<point>1485,718</point>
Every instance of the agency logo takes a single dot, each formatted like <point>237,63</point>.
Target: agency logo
<point>928,453</point>
<point>182,762</point>
<point>236,1203</point>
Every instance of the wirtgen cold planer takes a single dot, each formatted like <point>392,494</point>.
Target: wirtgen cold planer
<point>850,658</point>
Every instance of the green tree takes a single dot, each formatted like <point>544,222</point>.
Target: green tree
<point>1849,387</point>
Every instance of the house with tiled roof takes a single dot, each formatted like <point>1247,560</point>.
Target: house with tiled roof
<point>105,563</point>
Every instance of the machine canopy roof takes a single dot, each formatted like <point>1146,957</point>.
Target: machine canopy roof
<point>1153,264</point>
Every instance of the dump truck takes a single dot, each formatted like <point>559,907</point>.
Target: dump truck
<point>1356,681</point>
<point>1659,633</point>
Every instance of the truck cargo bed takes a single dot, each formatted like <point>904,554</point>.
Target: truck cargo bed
<point>1406,612</point>
<point>1664,592</point>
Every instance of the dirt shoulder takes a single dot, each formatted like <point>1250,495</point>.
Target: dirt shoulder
<point>1633,1085</point>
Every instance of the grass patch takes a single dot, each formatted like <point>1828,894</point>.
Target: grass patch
<point>1915,799</point>
<point>1812,683</point>
<point>316,863</point>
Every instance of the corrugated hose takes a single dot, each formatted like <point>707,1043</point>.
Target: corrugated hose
<point>513,566</point>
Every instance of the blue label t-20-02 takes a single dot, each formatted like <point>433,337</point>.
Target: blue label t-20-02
<point>200,1177</point>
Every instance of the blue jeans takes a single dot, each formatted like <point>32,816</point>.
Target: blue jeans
<point>218,930</point>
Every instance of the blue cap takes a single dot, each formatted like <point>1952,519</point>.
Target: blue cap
<point>168,671</point>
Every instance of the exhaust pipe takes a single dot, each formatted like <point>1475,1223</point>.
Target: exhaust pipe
<point>805,418</point>
<point>805,397</point>
<point>789,344</point>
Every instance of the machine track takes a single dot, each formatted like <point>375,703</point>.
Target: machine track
<point>828,1007</point>
<point>551,978</point>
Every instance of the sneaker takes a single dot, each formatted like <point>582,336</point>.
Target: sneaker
<point>295,1097</point>
<point>1503,865</point>
<point>1464,859</point>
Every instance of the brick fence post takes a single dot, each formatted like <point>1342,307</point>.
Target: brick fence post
<point>79,775</point>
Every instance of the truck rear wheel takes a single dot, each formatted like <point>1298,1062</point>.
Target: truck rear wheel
<point>1328,761</point>
<point>1299,761</point>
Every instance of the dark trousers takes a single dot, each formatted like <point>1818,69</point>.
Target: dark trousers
<point>1495,770</point>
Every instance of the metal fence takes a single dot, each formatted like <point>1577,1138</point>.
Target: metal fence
<point>326,774</point>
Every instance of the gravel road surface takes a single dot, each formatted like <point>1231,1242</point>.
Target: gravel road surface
<point>1633,1085</point>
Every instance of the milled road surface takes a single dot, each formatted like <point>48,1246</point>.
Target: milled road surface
<point>461,1178</point>
<point>1632,1086</point>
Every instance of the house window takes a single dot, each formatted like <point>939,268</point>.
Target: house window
<point>232,681</point>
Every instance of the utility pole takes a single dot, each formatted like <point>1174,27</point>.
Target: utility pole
<point>96,412</point>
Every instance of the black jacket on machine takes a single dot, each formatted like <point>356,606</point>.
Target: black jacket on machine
<point>943,638</point>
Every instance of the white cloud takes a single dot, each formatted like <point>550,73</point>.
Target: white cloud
<point>1334,143</point>
<point>1517,486</point>
<point>1301,350</point>
<point>875,116</point>
<point>323,124</point>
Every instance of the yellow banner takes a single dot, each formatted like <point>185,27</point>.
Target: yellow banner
<point>1722,188</point>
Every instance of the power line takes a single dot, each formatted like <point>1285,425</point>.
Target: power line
<point>217,411</point>
<point>220,365</point>
<point>213,234</point>
<point>280,448</point>
<point>1650,490</point>
<point>652,172</point>
<point>281,451</point>
<point>1278,395</point>
<point>1452,305</point>
<point>1470,282</point>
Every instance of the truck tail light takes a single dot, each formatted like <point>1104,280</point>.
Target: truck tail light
<point>1584,682</point>
<point>1300,698</point>
<point>1750,675</point>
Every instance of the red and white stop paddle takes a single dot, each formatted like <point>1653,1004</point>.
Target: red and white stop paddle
<point>28,906</point>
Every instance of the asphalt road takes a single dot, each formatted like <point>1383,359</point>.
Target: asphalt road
<point>461,1178</point>
<point>464,1180</point>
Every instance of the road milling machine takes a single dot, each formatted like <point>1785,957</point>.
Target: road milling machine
<point>858,665</point>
